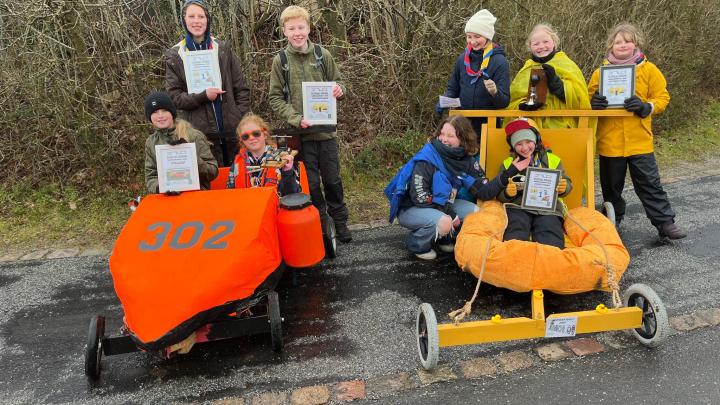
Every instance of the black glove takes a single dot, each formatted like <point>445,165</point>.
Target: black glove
<point>598,102</point>
<point>171,193</point>
<point>637,106</point>
<point>555,84</point>
<point>526,107</point>
<point>177,142</point>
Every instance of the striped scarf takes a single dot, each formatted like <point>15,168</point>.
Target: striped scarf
<point>487,52</point>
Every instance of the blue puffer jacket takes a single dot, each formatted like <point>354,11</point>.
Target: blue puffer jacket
<point>442,183</point>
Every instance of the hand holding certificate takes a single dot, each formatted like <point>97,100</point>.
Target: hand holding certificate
<point>617,83</point>
<point>319,103</point>
<point>177,167</point>
<point>202,70</point>
<point>541,189</point>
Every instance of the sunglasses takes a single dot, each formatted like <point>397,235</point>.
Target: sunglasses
<point>256,134</point>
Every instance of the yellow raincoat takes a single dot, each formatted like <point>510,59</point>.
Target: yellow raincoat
<point>629,136</point>
<point>576,97</point>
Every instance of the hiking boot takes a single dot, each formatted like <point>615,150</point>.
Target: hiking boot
<point>429,255</point>
<point>343,233</point>
<point>670,230</point>
<point>447,248</point>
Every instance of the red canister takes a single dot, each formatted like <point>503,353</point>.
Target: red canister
<point>301,240</point>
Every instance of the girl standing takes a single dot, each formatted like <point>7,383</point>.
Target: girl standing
<point>627,142</point>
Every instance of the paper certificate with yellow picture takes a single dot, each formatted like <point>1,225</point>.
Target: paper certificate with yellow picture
<point>540,189</point>
<point>617,83</point>
<point>319,105</point>
<point>202,70</point>
<point>177,167</point>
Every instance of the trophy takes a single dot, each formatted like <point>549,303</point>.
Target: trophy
<point>537,88</point>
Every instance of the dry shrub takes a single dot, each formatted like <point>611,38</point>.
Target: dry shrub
<point>75,72</point>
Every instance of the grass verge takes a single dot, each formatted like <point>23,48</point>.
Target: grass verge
<point>56,216</point>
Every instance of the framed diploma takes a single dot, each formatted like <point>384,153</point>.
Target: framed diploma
<point>319,105</point>
<point>540,189</point>
<point>202,70</point>
<point>177,167</point>
<point>617,82</point>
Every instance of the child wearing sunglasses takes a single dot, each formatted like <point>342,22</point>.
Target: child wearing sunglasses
<point>249,169</point>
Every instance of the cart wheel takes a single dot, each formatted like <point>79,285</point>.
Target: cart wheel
<point>427,336</point>
<point>330,239</point>
<point>93,350</point>
<point>655,327</point>
<point>273,310</point>
<point>609,212</point>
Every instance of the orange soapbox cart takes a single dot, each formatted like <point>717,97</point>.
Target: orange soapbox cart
<point>203,266</point>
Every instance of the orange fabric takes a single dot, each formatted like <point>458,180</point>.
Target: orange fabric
<point>304,185</point>
<point>524,266</point>
<point>162,286</point>
<point>220,182</point>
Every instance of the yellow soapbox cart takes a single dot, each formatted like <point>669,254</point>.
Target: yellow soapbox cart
<point>640,310</point>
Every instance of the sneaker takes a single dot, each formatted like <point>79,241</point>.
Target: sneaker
<point>343,233</point>
<point>448,248</point>
<point>671,230</point>
<point>429,255</point>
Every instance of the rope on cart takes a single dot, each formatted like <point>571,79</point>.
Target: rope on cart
<point>459,314</point>
<point>611,275</point>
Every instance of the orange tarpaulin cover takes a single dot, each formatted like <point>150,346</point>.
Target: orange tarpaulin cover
<point>524,266</point>
<point>179,256</point>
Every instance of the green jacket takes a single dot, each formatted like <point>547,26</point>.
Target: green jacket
<point>546,160</point>
<point>302,68</point>
<point>207,166</point>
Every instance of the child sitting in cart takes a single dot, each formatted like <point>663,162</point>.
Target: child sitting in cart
<point>160,110</point>
<point>545,226</point>
<point>259,164</point>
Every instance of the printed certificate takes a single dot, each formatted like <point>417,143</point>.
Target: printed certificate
<point>319,105</point>
<point>177,167</point>
<point>202,70</point>
<point>617,82</point>
<point>540,189</point>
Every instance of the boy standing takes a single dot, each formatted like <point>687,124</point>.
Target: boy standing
<point>304,63</point>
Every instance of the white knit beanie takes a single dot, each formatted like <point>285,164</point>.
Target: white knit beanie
<point>483,23</point>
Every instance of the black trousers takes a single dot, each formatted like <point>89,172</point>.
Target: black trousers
<point>224,147</point>
<point>545,229</point>
<point>322,163</point>
<point>646,180</point>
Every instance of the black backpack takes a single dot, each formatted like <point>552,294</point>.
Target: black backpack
<point>317,50</point>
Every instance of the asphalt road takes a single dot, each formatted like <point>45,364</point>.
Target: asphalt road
<point>350,318</point>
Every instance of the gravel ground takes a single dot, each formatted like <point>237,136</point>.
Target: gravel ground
<point>351,318</point>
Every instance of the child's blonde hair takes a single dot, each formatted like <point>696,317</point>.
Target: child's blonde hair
<point>630,33</point>
<point>257,120</point>
<point>549,30</point>
<point>182,128</point>
<point>294,12</point>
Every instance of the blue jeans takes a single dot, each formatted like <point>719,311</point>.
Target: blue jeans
<point>422,223</point>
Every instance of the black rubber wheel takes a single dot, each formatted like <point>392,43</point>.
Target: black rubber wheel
<point>609,211</point>
<point>655,327</point>
<point>330,239</point>
<point>273,310</point>
<point>426,332</point>
<point>93,350</point>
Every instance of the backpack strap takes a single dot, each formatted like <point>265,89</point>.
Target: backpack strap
<point>286,74</point>
<point>317,50</point>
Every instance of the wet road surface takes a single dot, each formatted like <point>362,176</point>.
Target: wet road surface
<point>350,318</point>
